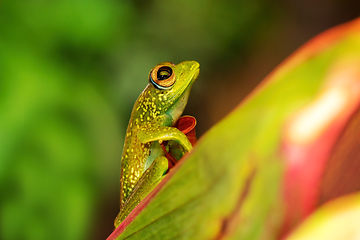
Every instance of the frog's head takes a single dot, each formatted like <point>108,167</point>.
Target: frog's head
<point>172,85</point>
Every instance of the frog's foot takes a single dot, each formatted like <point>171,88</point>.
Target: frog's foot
<point>172,149</point>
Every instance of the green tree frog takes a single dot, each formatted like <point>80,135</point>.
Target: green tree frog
<point>157,109</point>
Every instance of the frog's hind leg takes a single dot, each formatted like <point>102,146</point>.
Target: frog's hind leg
<point>147,182</point>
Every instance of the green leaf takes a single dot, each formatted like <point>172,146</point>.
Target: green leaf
<point>260,171</point>
<point>338,219</point>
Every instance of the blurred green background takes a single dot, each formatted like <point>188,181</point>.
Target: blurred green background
<point>71,70</point>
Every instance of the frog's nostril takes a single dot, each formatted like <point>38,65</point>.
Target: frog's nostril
<point>194,65</point>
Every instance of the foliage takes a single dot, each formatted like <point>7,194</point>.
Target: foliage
<point>69,74</point>
<point>272,162</point>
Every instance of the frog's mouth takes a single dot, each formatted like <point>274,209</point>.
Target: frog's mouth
<point>195,69</point>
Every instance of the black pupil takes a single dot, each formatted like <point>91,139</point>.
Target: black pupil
<point>164,73</point>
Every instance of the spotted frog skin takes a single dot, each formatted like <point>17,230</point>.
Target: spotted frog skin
<point>159,106</point>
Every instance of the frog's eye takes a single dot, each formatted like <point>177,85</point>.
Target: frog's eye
<point>162,77</point>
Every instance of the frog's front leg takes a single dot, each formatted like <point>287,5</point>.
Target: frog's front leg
<point>148,181</point>
<point>150,133</point>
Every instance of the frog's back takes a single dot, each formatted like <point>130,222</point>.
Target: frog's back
<point>133,160</point>
<point>135,153</point>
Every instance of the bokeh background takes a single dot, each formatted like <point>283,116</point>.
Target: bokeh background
<point>71,70</point>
